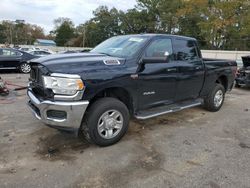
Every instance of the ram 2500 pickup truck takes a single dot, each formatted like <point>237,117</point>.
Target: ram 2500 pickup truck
<point>142,76</point>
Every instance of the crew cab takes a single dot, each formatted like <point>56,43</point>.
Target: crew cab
<point>140,76</point>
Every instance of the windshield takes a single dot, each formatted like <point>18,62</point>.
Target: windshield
<point>121,46</point>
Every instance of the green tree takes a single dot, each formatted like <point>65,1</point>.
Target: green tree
<point>19,33</point>
<point>104,24</point>
<point>135,21</point>
<point>153,14</point>
<point>2,34</point>
<point>219,24</point>
<point>64,31</point>
<point>168,16</point>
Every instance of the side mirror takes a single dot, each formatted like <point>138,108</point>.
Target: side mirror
<point>161,59</point>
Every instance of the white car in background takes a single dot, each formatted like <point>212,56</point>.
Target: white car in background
<point>40,52</point>
<point>28,49</point>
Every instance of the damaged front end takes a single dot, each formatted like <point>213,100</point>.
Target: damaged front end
<point>243,75</point>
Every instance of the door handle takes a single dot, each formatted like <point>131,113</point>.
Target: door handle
<point>171,69</point>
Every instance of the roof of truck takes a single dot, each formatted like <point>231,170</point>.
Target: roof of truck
<point>160,34</point>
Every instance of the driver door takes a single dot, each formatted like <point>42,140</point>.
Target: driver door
<point>157,81</point>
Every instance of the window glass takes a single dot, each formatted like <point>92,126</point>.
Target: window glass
<point>185,50</point>
<point>121,46</point>
<point>159,47</point>
<point>6,52</point>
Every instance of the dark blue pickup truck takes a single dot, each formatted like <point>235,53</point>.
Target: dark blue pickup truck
<point>142,76</point>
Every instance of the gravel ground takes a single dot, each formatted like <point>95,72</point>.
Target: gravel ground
<point>192,148</point>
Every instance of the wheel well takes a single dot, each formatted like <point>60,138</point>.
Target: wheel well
<point>118,93</point>
<point>223,81</point>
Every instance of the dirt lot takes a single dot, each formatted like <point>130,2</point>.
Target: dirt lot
<point>191,148</point>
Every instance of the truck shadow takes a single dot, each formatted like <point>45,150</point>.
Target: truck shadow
<point>60,146</point>
<point>63,146</point>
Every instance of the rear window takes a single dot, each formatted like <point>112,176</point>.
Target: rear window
<point>8,52</point>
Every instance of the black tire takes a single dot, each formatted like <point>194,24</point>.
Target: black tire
<point>25,68</point>
<point>93,116</point>
<point>209,101</point>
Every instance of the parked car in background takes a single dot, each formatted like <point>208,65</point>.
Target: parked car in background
<point>16,47</point>
<point>28,49</point>
<point>40,53</point>
<point>25,49</point>
<point>243,75</point>
<point>74,51</point>
<point>69,52</point>
<point>15,59</point>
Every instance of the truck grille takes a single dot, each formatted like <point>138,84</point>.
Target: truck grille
<point>36,82</point>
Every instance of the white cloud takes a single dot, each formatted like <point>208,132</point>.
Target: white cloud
<point>43,12</point>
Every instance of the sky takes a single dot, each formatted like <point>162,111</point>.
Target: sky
<point>43,12</point>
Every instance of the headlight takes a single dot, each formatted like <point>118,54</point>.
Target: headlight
<point>63,85</point>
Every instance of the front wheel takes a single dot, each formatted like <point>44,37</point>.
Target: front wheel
<point>214,101</point>
<point>106,122</point>
<point>25,68</point>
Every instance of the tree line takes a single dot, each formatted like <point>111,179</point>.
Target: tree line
<point>14,32</point>
<point>217,24</point>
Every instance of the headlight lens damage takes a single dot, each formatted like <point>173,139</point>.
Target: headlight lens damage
<point>63,86</point>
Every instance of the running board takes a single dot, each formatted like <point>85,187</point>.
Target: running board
<point>157,111</point>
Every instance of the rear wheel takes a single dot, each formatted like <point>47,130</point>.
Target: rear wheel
<point>106,122</point>
<point>25,68</point>
<point>214,101</point>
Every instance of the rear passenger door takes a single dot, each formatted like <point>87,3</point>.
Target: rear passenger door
<point>191,69</point>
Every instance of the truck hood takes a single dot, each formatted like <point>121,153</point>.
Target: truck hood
<point>78,62</point>
<point>246,61</point>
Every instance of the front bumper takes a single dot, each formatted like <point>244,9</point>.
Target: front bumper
<point>58,114</point>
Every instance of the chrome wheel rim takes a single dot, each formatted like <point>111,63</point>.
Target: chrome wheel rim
<point>218,98</point>
<point>110,124</point>
<point>25,68</point>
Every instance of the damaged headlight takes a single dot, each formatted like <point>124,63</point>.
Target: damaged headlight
<point>63,84</point>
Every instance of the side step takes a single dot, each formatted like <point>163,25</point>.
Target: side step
<point>157,111</point>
